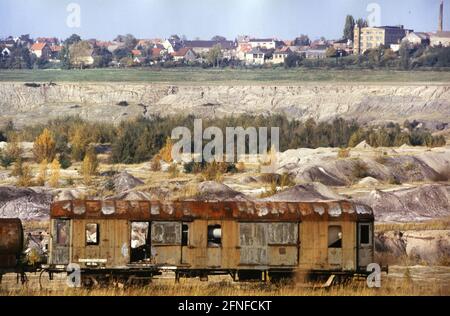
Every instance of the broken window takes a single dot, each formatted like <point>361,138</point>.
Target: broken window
<point>140,249</point>
<point>364,234</point>
<point>184,234</point>
<point>166,233</point>
<point>214,236</point>
<point>334,237</point>
<point>139,234</point>
<point>62,233</point>
<point>92,235</point>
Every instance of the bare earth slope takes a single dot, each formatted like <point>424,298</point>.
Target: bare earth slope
<point>363,101</point>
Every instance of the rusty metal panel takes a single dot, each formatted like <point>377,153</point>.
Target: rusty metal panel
<point>212,210</point>
<point>335,256</point>
<point>283,255</point>
<point>283,233</point>
<point>61,240</point>
<point>253,243</point>
<point>11,242</point>
<point>167,255</point>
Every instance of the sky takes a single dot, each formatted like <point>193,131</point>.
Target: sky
<point>283,19</point>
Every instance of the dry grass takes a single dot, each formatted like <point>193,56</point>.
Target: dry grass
<point>188,287</point>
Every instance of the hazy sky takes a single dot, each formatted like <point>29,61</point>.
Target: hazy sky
<point>284,19</point>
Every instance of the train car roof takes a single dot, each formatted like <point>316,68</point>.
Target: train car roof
<point>189,210</point>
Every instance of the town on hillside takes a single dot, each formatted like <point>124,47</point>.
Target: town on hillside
<point>361,44</point>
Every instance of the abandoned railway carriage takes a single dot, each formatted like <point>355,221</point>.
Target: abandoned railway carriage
<point>193,238</point>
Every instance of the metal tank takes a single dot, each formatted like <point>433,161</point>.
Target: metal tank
<point>11,242</point>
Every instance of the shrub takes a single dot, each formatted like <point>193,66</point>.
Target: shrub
<point>89,165</point>
<point>155,163</point>
<point>166,152</point>
<point>343,153</point>
<point>24,176</point>
<point>214,171</point>
<point>360,170</point>
<point>64,160</point>
<point>55,173</point>
<point>44,147</point>
<point>42,176</point>
<point>173,170</point>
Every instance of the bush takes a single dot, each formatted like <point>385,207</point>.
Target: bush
<point>44,147</point>
<point>360,170</point>
<point>173,170</point>
<point>155,164</point>
<point>343,153</point>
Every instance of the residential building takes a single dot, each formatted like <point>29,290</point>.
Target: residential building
<point>373,37</point>
<point>279,55</point>
<point>440,39</point>
<point>266,43</point>
<point>314,53</point>
<point>184,54</point>
<point>48,40</point>
<point>242,49</point>
<point>41,50</point>
<point>255,57</point>
<point>55,50</point>
<point>417,38</point>
<point>344,45</point>
<point>136,53</point>
<point>201,47</point>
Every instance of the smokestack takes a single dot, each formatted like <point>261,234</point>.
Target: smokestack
<point>441,16</point>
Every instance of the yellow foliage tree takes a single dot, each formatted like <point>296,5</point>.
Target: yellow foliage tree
<point>89,166</point>
<point>79,141</point>
<point>44,146</point>
<point>25,176</point>
<point>42,176</point>
<point>55,173</point>
<point>166,152</point>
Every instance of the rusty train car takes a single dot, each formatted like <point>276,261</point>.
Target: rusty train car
<point>260,240</point>
<point>11,245</point>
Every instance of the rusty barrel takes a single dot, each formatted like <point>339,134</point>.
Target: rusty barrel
<point>11,242</point>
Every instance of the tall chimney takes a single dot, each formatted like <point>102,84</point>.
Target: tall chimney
<point>441,16</point>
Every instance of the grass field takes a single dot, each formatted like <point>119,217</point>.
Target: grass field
<point>207,76</point>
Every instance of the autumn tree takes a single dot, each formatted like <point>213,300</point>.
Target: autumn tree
<point>23,173</point>
<point>55,173</point>
<point>44,147</point>
<point>42,175</point>
<point>89,165</point>
<point>166,152</point>
<point>79,141</point>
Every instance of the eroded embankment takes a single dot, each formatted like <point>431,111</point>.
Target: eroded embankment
<point>25,104</point>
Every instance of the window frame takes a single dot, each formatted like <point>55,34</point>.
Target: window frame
<point>97,235</point>
<point>209,243</point>
<point>329,246</point>
<point>370,239</point>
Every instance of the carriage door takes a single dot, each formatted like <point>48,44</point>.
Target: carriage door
<point>365,244</point>
<point>253,243</point>
<point>61,241</point>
